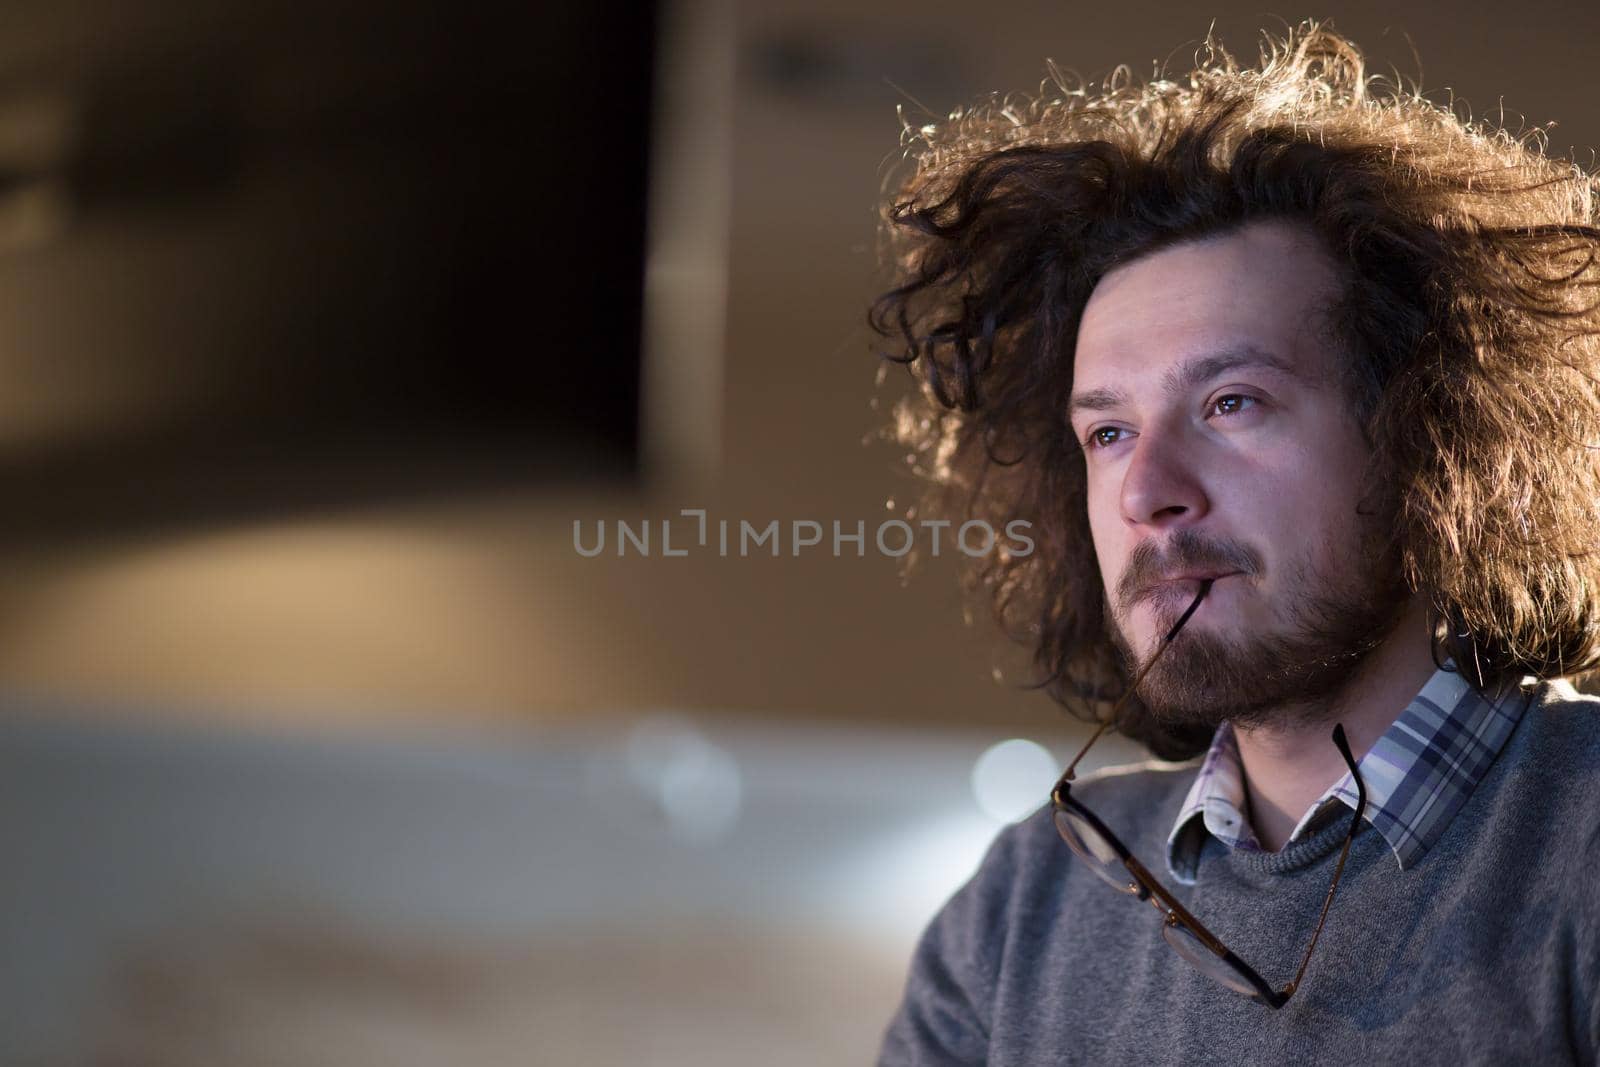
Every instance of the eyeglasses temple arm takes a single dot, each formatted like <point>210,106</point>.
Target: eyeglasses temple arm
<point>1205,587</point>
<point>1344,853</point>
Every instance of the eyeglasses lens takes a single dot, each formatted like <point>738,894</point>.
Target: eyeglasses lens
<point>1205,961</point>
<point>1081,835</point>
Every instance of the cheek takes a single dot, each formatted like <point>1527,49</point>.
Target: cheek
<point>1309,508</point>
<point>1105,531</point>
<point>1094,506</point>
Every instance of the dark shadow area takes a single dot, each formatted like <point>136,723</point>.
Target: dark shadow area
<point>401,248</point>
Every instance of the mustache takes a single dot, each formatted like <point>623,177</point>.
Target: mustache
<point>1183,550</point>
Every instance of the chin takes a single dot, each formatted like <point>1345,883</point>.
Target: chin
<point>1206,678</point>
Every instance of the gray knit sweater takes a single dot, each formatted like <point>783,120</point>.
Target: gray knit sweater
<point>1486,951</point>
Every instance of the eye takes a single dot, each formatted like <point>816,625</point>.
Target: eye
<point>1103,437</point>
<point>1232,404</point>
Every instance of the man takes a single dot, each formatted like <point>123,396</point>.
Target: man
<point>1309,376</point>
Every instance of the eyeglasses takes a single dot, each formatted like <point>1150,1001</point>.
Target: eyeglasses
<point>1110,859</point>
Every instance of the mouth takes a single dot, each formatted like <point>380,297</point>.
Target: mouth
<point>1188,581</point>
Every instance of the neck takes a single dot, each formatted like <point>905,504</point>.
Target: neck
<point>1293,761</point>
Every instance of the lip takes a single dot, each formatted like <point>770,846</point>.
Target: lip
<point>1195,576</point>
<point>1189,576</point>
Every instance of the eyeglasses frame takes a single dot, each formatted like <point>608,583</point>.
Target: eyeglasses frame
<point>1147,887</point>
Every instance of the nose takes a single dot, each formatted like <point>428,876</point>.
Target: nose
<point>1160,487</point>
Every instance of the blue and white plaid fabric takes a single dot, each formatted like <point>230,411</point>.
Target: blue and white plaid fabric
<point>1418,775</point>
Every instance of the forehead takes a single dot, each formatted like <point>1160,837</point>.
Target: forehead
<point>1260,288</point>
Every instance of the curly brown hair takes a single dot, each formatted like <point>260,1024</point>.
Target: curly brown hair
<point>1470,322</point>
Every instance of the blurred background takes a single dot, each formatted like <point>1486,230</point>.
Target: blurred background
<point>321,326</point>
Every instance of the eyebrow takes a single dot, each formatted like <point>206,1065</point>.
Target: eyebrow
<point>1187,375</point>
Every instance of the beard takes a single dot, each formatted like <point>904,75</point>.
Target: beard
<point>1334,616</point>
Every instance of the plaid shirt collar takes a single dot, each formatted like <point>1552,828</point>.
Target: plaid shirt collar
<point>1418,775</point>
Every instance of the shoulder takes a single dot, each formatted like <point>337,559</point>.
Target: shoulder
<point>1028,868</point>
<point>1009,913</point>
<point>1566,709</point>
<point>1560,735</point>
<point>1551,792</point>
<point>1139,801</point>
<point>1558,767</point>
<point>1137,783</point>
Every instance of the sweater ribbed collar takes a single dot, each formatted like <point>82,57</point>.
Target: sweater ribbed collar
<point>1418,774</point>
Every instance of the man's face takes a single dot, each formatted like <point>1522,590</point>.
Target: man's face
<point>1218,442</point>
